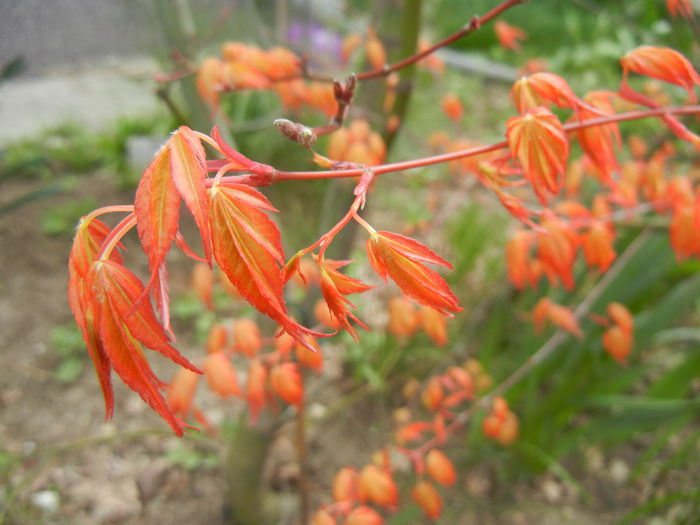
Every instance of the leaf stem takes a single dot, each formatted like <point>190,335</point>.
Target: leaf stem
<point>116,235</point>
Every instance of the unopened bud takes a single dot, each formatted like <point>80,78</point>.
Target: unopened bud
<point>296,132</point>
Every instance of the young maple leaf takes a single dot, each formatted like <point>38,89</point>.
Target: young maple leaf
<point>256,387</point>
<point>556,249</point>
<point>335,286</point>
<point>597,245</point>
<point>178,172</point>
<point>508,35</point>
<point>86,246</point>
<point>287,383</point>
<point>189,172</point>
<point>427,498</point>
<point>125,325</point>
<point>402,258</point>
<point>598,142</point>
<point>157,207</point>
<point>248,248</point>
<point>662,63</point>
<point>683,8</point>
<point>535,90</point>
<point>539,142</point>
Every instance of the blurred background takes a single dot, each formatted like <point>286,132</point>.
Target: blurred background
<point>89,90</point>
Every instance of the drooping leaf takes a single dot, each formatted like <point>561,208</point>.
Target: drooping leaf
<point>402,258</point>
<point>86,245</point>
<point>123,289</point>
<point>189,172</point>
<point>122,323</point>
<point>248,249</point>
<point>662,63</point>
<point>157,207</point>
<point>335,286</point>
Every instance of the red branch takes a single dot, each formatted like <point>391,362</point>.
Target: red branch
<point>474,24</point>
<point>470,152</point>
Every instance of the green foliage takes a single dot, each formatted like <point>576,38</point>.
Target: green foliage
<point>190,458</point>
<point>62,218</point>
<point>69,348</point>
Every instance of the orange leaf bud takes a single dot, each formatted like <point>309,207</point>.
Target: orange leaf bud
<point>556,250</point>
<point>618,343</point>
<point>518,257</point>
<point>307,358</point>
<point>257,376</point>
<point>345,485</point>
<point>462,378</point>
<point>217,338</point>
<point>376,484</point>
<point>412,432</point>
<point>375,50</point>
<point>621,316</point>
<point>509,430</point>
<point>509,36</point>
<point>435,324</point>
<point>284,343</point>
<point>499,407</point>
<point>403,318</point>
<point>246,337</point>
<point>286,381</point>
<point>364,515</point>
<point>440,468</point>
<point>322,517</point>
<point>182,391</point>
<point>452,107</point>
<point>433,394</point>
<point>440,429</point>
<point>492,426</point>
<point>221,376</point>
<point>597,245</point>
<point>350,44</point>
<point>427,498</point>
<point>563,318</point>
<point>210,80</point>
<point>202,283</point>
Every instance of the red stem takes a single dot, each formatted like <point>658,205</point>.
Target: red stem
<point>116,235</point>
<point>460,154</point>
<point>474,24</point>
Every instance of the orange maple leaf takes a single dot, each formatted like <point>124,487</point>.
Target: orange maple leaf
<point>539,142</point>
<point>248,248</point>
<point>509,36</point>
<point>125,324</point>
<point>662,63</point>
<point>88,239</point>
<point>335,286</point>
<point>402,258</point>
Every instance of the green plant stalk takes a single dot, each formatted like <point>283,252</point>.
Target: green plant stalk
<point>177,29</point>
<point>247,500</point>
<point>410,30</point>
